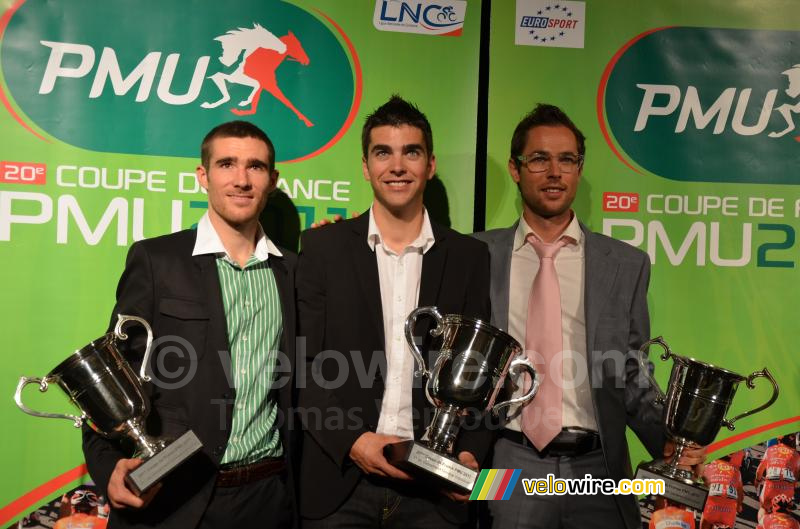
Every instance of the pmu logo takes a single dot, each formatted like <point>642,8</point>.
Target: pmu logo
<point>118,88</point>
<point>421,16</point>
<point>703,104</point>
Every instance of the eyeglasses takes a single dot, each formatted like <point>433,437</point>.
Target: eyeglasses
<point>539,162</point>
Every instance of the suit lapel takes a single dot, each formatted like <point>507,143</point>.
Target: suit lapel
<point>218,325</point>
<point>599,276</point>
<point>433,263</point>
<point>500,250</point>
<point>366,266</point>
<point>285,292</point>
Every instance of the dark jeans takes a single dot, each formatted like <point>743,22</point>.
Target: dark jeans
<point>385,504</point>
<point>265,503</point>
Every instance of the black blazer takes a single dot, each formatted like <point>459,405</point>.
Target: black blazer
<point>180,296</point>
<point>339,304</point>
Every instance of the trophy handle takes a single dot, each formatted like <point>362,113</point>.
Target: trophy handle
<point>42,382</point>
<point>520,363</point>
<point>763,373</point>
<point>118,332</point>
<point>436,331</point>
<point>660,396</point>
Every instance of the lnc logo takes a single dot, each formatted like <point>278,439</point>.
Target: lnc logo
<point>154,93</point>
<point>700,104</point>
<point>420,16</point>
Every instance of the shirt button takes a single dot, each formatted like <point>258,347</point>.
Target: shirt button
<point>243,371</point>
<point>244,338</point>
<point>234,439</point>
<point>246,303</point>
<point>239,406</point>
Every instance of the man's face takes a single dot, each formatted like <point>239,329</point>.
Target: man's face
<point>548,193</point>
<point>398,166</point>
<point>238,179</point>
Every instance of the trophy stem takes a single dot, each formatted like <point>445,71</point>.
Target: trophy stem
<point>670,468</point>
<point>146,446</point>
<point>679,448</point>
<point>444,428</point>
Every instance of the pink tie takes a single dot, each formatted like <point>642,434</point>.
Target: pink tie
<point>541,418</point>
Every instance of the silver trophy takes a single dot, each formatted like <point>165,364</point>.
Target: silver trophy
<point>474,359</point>
<point>99,381</point>
<point>697,400</point>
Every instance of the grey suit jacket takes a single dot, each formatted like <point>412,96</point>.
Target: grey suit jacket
<point>617,323</point>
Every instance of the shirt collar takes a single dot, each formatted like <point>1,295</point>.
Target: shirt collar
<point>573,231</point>
<point>424,240</point>
<point>208,242</point>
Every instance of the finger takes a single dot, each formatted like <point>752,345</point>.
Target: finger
<point>121,498</point>
<point>394,472</point>
<point>468,459</point>
<point>150,493</point>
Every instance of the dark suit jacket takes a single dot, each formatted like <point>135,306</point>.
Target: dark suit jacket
<point>180,296</point>
<point>339,304</point>
<point>617,321</point>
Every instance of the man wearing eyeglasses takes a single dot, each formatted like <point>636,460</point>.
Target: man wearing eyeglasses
<point>577,300</point>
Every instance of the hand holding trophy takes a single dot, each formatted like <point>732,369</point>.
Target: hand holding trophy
<point>99,381</point>
<point>474,359</point>
<point>697,399</point>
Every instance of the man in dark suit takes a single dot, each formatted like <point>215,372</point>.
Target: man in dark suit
<point>600,318</point>
<point>220,300</point>
<point>357,281</point>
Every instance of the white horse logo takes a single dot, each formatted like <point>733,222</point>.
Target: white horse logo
<point>259,53</point>
<point>786,110</point>
<point>234,42</point>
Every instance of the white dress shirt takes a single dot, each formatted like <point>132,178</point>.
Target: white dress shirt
<point>208,242</point>
<point>570,265</point>
<point>399,276</point>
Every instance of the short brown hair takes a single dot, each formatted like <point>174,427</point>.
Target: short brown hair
<point>543,115</point>
<point>236,129</point>
<point>395,112</point>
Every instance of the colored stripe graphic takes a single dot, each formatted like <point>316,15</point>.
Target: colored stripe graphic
<point>495,484</point>
<point>511,484</point>
<point>476,490</point>
<point>488,483</point>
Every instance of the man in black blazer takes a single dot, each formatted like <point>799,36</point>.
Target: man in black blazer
<point>220,300</point>
<point>357,281</point>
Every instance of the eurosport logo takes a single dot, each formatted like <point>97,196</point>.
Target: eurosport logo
<point>166,76</point>
<point>555,24</point>
<point>429,17</point>
<point>706,104</point>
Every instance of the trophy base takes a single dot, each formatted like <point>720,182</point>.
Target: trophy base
<point>157,467</point>
<point>678,486</point>
<point>416,458</point>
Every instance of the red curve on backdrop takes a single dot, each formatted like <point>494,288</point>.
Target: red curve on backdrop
<point>356,95</point>
<point>39,493</point>
<point>46,489</point>
<point>744,435</point>
<point>601,92</point>
<point>4,20</point>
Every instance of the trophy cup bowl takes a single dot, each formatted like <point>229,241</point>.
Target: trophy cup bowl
<point>102,385</point>
<point>473,361</point>
<point>695,405</point>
